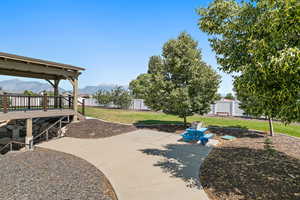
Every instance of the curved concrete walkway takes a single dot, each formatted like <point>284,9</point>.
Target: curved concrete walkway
<point>143,164</point>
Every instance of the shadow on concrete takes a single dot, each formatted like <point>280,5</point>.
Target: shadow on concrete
<point>181,161</point>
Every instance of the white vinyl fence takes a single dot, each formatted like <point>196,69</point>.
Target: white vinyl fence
<point>223,107</point>
<point>230,108</point>
<point>136,104</point>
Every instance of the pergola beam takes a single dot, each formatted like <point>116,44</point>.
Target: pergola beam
<point>14,65</point>
<point>50,82</point>
<point>29,74</point>
<point>22,67</point>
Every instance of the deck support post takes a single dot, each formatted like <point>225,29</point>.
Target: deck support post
<point>29,138</point>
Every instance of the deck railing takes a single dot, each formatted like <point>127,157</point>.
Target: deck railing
<point>10,102</point>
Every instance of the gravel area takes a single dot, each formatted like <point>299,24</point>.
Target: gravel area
<point>243,169</point>
<point>93,128</point>
<point>50,175</point>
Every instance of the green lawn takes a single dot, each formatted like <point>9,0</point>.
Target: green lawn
<point>128,116</point>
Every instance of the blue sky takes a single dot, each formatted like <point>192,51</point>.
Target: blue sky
<point>113,40</point>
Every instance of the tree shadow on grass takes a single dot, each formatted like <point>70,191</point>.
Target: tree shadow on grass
<point>181,161</point>
<point>158,122</point>
<point>161,125</point>
<point>178,127</point>
<point>248,174</point>
<point>237,131</point>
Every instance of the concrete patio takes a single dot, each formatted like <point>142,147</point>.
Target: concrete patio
<point>142,164</point>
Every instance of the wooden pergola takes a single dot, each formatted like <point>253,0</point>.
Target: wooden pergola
<point>52,72</point>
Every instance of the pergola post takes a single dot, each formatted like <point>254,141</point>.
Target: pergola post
<point>29,138</point>
<point>56,93</point>
<point>74,83</point>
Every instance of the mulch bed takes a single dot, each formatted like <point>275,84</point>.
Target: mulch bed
<point>46,174</point>
<point>93,128</point>
<point>243,169</point>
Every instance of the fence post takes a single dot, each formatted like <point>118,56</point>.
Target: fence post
<point>83,106</point>
<point>70,101</point>
<point>5,102</point>
<point>28,103</point>
<point>60,101</point>
<point>45,101</point>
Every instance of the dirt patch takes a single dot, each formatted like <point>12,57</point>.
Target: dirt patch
<point>243,169</point>
<point>93,128</point>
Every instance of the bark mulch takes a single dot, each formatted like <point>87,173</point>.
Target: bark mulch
<point>243,169</point>
<point>93,128</point>
<point>46,174</point>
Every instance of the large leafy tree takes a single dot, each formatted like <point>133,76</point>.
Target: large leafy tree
<point>178,82</point>
<point>139,86</point>
<point>258,42</point>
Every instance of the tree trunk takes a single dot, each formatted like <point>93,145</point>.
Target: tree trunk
<point>271,126</point>
<point>184,121</point>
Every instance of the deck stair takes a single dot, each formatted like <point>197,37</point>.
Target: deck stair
<point>55,130</point>
<point>45,135</point>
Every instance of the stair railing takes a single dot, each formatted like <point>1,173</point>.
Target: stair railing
<point>46,131</point>
<point>9,146</point>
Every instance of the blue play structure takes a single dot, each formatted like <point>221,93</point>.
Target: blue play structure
<point>196,135</point>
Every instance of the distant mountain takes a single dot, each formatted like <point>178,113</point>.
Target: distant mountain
<point>19,86</point>
<point>94,89</point>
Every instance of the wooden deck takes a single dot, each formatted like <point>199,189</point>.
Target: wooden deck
<point>35,114</point>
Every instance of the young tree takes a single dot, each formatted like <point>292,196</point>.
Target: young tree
<point>103,97</point>
<point>258,42</point>
<point>121,97</point>
<point>179,82</point>
<point>29,93</point>
<point>252,105</point>
<point>229,96</point>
